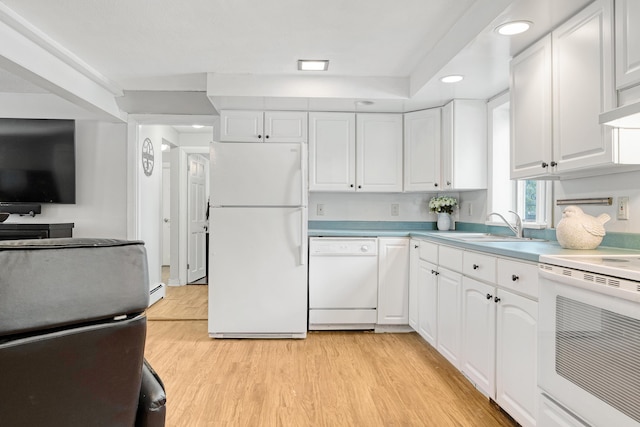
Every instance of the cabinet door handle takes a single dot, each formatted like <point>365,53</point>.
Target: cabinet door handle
<point>351,185</point>
<point>435,184</point>
<point>554,164</point>
<point>416,246</point>
<point>496,299</point>
<point>544,164</point>
<point>259,136</point>
<point>266,136</point>
<point>476,266</point>
<point>514,277</point>
<point>359,186</point>
<point>448,183</point>
<point>489,296</point>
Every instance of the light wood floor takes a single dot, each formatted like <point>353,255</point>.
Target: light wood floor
<point>328,379</point>
<point>187,302</point>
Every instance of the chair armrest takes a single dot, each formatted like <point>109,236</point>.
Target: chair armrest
<point>151,404</point>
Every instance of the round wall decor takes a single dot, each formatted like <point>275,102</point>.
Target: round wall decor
<point>147,157</point>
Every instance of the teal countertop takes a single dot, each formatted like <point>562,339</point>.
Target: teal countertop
<point>524,250</point>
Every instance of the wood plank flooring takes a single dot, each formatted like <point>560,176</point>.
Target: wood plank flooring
<point>187,302</point>
<point>328,379</point>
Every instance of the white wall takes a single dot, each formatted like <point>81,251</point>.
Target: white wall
<point>370,206</point>
<point>149,196</point>
<point>624,184</point>
<point>101,184</point>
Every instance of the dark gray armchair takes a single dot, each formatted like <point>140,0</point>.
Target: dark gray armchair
<point>72,335</point>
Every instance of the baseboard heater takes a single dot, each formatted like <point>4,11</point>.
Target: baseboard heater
<point>156,289</point>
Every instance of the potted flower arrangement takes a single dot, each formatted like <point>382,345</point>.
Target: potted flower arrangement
<point>443,206</point>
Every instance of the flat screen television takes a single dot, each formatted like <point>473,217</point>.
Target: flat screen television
<point>37,161</point>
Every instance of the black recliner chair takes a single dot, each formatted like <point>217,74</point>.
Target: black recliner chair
<point>72,335</point>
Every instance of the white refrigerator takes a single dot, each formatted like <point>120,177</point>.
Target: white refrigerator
<point>258,241</point>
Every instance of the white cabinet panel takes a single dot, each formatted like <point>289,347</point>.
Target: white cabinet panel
<point>518,276</point>
<point>428,302</point>
<point>516,356</point>
<point>479,334</point>
<point>379,152</point>
<point>241,126</point>
<point>449,315</point>
<point>464,145</point>
<point>450,258</point>
<point>422,150</point>
<point>530,108</point>
<point>393,281</point>
<point>479,266</point>
<point>285,126</point>
<point>259,126</point>
<point>414,268</point>
<point>583,88</point>
<point>627,43</point>
<point>332,151</point>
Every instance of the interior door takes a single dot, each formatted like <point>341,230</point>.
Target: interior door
<point>166,215</point>
<point>196,253</point>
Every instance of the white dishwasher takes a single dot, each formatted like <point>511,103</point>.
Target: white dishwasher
<point>343,283</point>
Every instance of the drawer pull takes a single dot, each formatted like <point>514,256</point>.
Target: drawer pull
<point>514,277</point>
<point>489,296</point>
<point>416,246</point>
<point>496,299</point>
<point>476,266</point>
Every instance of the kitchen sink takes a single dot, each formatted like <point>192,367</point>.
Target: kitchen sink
<point>488,237</point>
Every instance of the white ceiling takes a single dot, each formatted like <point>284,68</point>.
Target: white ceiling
<point>243,53</point>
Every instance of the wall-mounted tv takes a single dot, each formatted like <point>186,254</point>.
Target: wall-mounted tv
<point>37,161</point>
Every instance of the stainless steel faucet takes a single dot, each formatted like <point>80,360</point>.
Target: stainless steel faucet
<point>517,229</point>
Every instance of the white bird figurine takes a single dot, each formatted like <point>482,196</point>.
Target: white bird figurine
<point>578,230</point>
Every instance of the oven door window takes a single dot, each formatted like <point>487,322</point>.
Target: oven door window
<point>599,351</point>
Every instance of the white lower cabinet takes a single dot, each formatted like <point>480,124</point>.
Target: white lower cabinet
<point>414,265</point>
<point>427,297</point>
<point>516,356</point>
<point>393,281</point>
<point>448,323</point>
<point>479,334</point>
<point>484,321</point>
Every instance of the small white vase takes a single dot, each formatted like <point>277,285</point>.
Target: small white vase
<point>444,221</point>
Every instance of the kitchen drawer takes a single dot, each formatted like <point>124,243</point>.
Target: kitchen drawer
<point>479,266</point>
<point>429,252</point>
<point>518,276</point>
<point>450,258</point>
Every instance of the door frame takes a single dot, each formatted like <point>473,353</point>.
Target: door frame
<point>179,212</point>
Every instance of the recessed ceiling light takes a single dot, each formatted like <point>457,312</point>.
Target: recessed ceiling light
<point>451,79</point>
<point>513,28</point>
<point>197,126</point>
<point>364,103</point>
<point>313,64</point>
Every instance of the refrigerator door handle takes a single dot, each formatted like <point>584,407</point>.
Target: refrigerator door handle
<point>303,189</point>
<point>303,236</point>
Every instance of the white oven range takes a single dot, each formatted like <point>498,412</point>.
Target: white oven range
<point>589,340</point>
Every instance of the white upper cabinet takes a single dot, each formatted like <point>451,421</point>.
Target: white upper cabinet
<point>332,151</point>
<point>379,152</point>
<point>258,126</point>
<point>627,43</point>
<point>355,152</point>
<point>422,150</point>
<point>530,108</point>
<point>464,145</point>
<point>559,86</point>
<point>583,88</point>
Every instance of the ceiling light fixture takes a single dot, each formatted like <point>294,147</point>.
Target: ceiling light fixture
<point>313,64</point>
<point>364,103</point>
<point>454,78</point>
<point>165,146</point>
<point>513,28</point>
<point>197,126</point>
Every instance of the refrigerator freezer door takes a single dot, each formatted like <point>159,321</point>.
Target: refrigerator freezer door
<point>258,281</point>
<point>258,174</point>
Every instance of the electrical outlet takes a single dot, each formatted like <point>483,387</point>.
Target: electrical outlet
<point>395,209</point>
<point>320,209</point>
<point>623,207</point>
